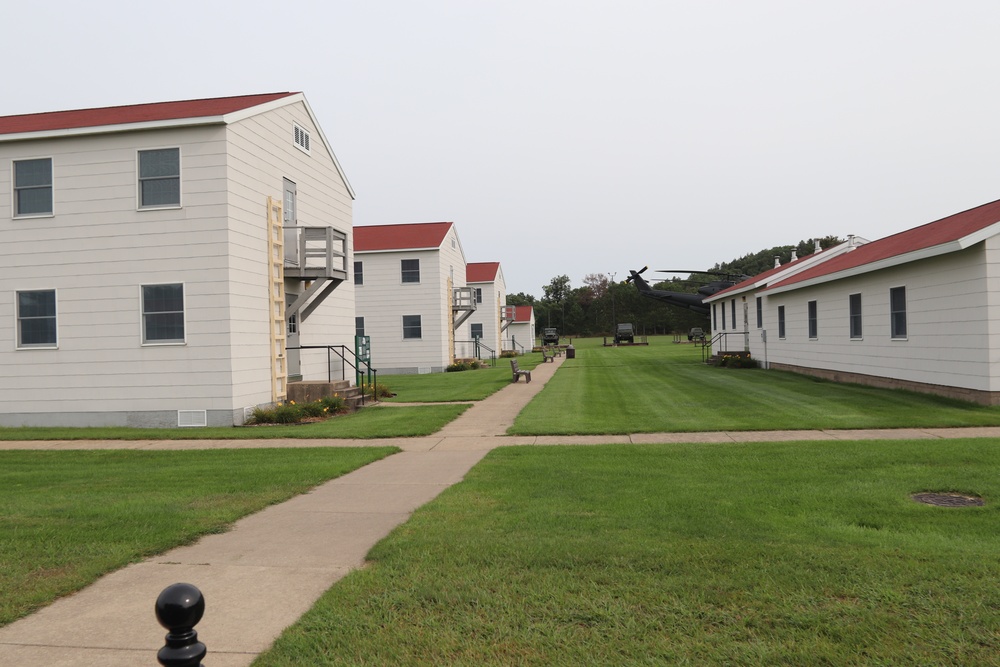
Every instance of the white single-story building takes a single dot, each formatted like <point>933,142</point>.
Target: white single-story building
<point>161,258</point>
<point>918,310</point>
<point>411,294</point>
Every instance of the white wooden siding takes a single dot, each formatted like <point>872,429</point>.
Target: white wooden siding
<point>98,249</point>
<point>384,299</point>
<point>951,328</point>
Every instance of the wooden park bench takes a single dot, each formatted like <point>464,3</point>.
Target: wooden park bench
<point>518,372</point>
<point>548,355</point>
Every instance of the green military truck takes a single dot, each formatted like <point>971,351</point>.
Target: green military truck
<point>624,333</point>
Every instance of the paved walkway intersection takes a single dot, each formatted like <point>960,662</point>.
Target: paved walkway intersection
<point>259,577</point>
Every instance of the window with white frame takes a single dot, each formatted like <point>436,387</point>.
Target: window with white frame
<point>715,316</point>
<point>479,295</point>
<point>409,270</point>
<point>411,327</point>
<point>735,326</point>
<point>359,273</point>
<point>854,305</point>
<point>36,318</point>
<point>897,312</point>
<point>163,313</point>
<point>160,178</point>
<point>781,321</point>
<point>760,313</point>
<point>32,187</point>
<point>813,322</point>
<point>359,326</point>
<point>723,309</point>
<point>476,330</point>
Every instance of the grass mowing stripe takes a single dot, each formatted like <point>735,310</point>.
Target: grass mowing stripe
<point>68,517</point>
<point>790,553</point>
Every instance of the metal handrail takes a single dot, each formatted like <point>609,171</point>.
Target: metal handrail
<point>515,345</point>
<point>477,346</point>
<point>723,337</point>
<point>370,373</point>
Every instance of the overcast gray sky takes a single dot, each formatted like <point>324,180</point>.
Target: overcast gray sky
<point>578,137</point>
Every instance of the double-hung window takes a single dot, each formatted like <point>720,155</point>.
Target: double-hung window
<point>409,270</point>
<point>479,295</point>
<point>36,318</point>
<point>854,302</point>
<point>733,303</point>
<point>359,326</point>
<point>32,187</point>
<point>781,321</point>
<point>160,178</point>
<point>359,273</point>
<point>897,312</point>
<point>412,327</point>
<point>163,313</point>
<point>813,323</point>
<point>476,330</point>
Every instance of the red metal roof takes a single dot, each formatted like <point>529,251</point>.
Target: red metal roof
<point>481,272</point>
<point>135,113</point>
<point>523,313</point>
<point>945,230</point>
<point>400,237</point>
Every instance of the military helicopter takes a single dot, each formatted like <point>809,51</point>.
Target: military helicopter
<point>693,302</point>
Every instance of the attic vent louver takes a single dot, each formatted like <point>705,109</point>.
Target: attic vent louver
<point>301,138</point>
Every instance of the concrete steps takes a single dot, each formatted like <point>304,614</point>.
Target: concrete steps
<point>307,392</point>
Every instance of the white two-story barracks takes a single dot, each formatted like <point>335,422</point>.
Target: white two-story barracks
<point>918,310</point>
<point>155,254</point>
<point>412,296</point>
<point>490,292</point>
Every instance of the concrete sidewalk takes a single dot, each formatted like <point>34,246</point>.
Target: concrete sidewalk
<point>271,567</point>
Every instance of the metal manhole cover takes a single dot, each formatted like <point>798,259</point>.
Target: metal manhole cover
<point>948,499</point>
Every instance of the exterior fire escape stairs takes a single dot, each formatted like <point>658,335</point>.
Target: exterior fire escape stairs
<point>507,317</point>
<point>318,257</point>
<point>463,304</point>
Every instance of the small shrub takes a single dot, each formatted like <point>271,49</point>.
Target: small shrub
<point>332,404</point>
<point>475,365</point>
<point>314,409</point>
<point>287,413</point>
<point>508,354</point>
<point>738,361</point>
<point>458,367</point>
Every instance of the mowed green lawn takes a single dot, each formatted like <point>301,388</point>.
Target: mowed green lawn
<point>471,385</point>
<point>666,388</point>
<point>68,517</point>
<point>753,554</point>
<point>370,422</point>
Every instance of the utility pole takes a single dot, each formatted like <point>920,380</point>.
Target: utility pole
<point>614,317</point>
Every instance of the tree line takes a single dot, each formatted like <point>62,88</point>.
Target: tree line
<point>593,308</point>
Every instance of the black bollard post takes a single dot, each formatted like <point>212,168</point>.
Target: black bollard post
<point>179,608</point>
